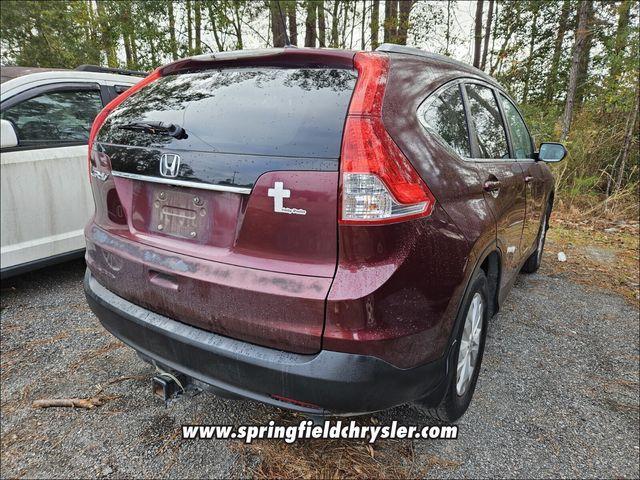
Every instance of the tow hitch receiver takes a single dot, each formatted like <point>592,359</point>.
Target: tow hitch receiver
<point>167,386</point>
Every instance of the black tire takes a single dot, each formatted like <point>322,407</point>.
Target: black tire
<point>535,260</point>
<point>453,405</point>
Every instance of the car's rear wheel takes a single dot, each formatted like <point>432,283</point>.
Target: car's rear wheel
<point>466,355</point>
<point>535,260</point>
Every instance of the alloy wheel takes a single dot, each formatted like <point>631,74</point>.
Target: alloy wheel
<point>469,344</point>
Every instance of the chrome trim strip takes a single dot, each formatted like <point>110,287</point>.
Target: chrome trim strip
<point>182,183</point>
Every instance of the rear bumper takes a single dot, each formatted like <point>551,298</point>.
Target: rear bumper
<point>325,382</point>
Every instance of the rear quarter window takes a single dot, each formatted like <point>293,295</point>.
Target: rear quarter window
<point>444,115</point>
<point>256,111</point>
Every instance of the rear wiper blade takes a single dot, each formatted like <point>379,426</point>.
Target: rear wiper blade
<point>154,128</point>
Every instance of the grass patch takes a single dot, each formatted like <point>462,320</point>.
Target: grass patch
<point>602,251</point>
<point>337,458</point>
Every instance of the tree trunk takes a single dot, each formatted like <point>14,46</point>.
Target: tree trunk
<point>214,28</point>
<point>487,35</point>
<point>557,51</point>
<point>293,23</point>
<point>153,51</point>
<point>620,43</point>
<point>127,50</point>
<point>494,34</point>
<point>93,34</point>
<point>189,29</point>
<point>334,25</point>
<point>173,45</point>
<point>322,26</point>
<point>237,23</point>
<point>126,27</point>
<point>385,26</point>
<point>197,14</point>
<point>578,53</point>
<point>628,138</point>
<point>363,29</point>
<point>390,21</point>
<point>106,36</point>
<point>478,35</point>
<point>353,25</point>
<point>403,21</point>
<point>277,28</point>
<point>310,25</point>
<point>134,49</point>
<point>532,43</point>
<point>448,32</point>
<point>583,68</point>
<point>344,7</point>
<point>509,11</point>
<point>375,23</point>
<point>89,36</point>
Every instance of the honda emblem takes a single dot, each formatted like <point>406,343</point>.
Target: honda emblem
<point>169,164</point>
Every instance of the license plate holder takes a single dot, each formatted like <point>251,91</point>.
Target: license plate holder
<point>178,214</point>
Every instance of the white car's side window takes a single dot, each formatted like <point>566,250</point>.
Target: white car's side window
<point>55,118</point>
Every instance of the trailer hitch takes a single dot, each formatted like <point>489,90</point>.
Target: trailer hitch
<point>167,385</point>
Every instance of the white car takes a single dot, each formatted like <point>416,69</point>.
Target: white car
<point>46,116</point>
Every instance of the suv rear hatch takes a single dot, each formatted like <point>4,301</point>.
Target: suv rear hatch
<point>224,216</point>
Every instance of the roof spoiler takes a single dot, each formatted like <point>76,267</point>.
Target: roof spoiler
<point>284,57</point>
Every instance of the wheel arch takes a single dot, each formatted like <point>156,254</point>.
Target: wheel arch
<point>492,267</point>
<point>490,262</point>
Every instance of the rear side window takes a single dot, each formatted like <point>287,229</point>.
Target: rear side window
<point>55,118</point>
<point>522,145</point>
<point>445,116</point>
<point>485,115</point>
<point>254,111</point>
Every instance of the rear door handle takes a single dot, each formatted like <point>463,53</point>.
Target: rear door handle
<point>491,186</point>
<point>528,179</point>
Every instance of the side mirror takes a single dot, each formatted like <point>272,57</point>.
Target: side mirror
<point>551,152</point>
<point>8,137</point>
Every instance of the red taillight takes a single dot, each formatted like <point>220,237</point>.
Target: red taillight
<point>368,148</point>
<point>379,185</point>
<point>372,81</point>
<point>102,116</point>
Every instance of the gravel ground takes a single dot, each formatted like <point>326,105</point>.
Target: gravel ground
<point>558,395</point>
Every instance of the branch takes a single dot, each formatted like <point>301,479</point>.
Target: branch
<point>88,403</point>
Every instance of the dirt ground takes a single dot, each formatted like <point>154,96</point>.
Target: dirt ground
<point>557,395</point>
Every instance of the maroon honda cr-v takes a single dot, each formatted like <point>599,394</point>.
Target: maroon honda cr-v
<point>323,230</point>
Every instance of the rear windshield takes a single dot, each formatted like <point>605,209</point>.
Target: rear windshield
<point>257,111</point>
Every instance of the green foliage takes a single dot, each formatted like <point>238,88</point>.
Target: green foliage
<point>43,34</point>
<point>599,126</point>
<point>530,52</point>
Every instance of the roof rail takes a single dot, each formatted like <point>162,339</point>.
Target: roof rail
<point>118,71</point>
<point>393,48</point>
